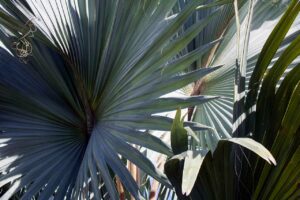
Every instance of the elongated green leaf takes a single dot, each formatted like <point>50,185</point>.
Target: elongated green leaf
<point>284,145</point>
<point>179,137</point>
<point>289,178</point>
<point>270,48</point>
<point>269,84</point>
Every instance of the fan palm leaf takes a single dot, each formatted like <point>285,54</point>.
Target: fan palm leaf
<point>93,77</point>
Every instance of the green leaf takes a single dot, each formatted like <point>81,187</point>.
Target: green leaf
<point>284,146</point>
<point>270,48</point>
<point>269,86</point>
<point>179,137</point>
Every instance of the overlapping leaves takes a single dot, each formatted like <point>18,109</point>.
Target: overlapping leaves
<point>219,113</point>
<point>271,118</point>
<point>94,79</point>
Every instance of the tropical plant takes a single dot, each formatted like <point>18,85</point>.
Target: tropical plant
<point>81,82</point>
<point>219,113</point>
<point>269,107</point>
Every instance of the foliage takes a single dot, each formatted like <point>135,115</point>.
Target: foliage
<point>83,82</point>
<point>80,83</point>
<point>271,118</point>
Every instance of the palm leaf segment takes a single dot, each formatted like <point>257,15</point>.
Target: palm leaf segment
<point>93,80</point>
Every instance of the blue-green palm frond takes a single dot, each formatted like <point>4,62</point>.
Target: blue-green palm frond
<point>79,90</point>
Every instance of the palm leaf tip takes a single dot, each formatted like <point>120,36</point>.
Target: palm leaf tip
<point>256,147</point>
